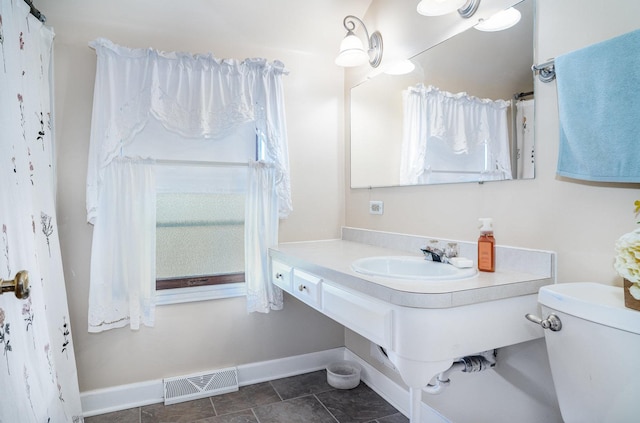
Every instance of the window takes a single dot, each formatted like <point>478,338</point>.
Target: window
<point>447,165</point>
<point>199,233</point>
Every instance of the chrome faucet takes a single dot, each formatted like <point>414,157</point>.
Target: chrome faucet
<point>440,255</point>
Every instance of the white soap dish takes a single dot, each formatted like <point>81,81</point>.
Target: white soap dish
<point>461,262</point>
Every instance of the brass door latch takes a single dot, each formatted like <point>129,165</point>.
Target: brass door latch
<point>19,284</point>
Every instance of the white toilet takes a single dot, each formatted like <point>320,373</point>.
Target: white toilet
<point>595,355</point>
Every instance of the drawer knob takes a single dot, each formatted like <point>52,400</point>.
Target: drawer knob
<point>301,288</point>
<point>278,275</point>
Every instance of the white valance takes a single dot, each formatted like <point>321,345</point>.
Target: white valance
<point>195,96</point>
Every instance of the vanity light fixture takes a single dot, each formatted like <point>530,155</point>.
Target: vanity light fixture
<point>352,52</point>
<point>500,21</point>
<point>466,8</point>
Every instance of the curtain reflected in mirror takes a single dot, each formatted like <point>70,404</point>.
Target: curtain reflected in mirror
<point>451,137</point>
<point>465,114</point>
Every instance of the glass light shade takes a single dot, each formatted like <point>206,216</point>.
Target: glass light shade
<point>500,21</point>
<point>400,67</point>
<point>352,52</point>
<point>439,7</point>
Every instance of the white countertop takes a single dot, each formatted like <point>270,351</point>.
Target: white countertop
<point>331,259</point>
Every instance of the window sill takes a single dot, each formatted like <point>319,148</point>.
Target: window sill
<point>200,293</point>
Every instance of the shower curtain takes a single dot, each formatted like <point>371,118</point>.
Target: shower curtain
<point>525,139</point>
<point>38,378</point>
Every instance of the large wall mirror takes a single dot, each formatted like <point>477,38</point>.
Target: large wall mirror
<point>464,114</point>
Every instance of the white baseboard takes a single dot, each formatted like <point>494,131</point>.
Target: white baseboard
<point>101,401</point>
<point>264,371</point>
<point>122,397</point>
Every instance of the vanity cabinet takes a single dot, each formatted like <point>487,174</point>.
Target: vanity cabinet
<point>307,288</point>
<point>423,325</point>
<point>281,275</point>
<point>369,317</point>
<point>414,334</point>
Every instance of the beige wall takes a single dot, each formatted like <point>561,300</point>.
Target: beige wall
<point>211,334</point>
<point>580,221</point>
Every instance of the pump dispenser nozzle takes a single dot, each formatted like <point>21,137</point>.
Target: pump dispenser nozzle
<point>486,225</point>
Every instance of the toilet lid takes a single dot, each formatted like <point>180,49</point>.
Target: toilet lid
<point>596,302</point>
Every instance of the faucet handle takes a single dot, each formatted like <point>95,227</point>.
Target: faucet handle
<point>433,245</point>
<point>451,250</point>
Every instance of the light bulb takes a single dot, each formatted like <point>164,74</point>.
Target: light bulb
<point>500,21</point>
<point>439,7</point>
<point>399,67</point>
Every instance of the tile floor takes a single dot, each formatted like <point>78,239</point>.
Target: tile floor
<point>306,398</point>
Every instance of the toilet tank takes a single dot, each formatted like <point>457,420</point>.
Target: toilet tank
<point>595,356</point>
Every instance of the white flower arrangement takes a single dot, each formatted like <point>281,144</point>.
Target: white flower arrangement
<point>627,262</point>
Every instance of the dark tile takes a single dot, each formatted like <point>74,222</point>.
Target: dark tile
<point>298,410</point>
<point>247,397</point>
<point>308,399</point>
<point>131,415</point>
<point>301,385</point>
<point>245,416</point>
<point>396,418</point>
<point>360,404</point>
<point>178,413</point>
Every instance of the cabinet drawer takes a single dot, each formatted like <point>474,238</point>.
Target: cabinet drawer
<point>281,275</point>
<point>366,316</point>
<point>307,288</point>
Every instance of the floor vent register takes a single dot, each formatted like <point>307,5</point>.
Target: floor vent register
<point>200,385</point>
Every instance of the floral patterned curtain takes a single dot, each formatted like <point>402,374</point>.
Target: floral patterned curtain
<point>38,378</point>
<point>525,139</point>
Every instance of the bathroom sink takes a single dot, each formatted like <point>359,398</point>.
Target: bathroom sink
<point>410,267</point>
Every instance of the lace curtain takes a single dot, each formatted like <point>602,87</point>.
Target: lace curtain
<point>199,103</point>
<point>38,376</point>
<point>196,96</point>
<point>465,124</point>
<point>261,232</point>
<point>123,254</point>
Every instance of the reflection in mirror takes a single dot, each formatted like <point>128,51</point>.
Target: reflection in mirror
<point>464,114</point>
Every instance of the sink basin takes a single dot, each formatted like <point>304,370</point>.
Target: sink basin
<point>410,267</point>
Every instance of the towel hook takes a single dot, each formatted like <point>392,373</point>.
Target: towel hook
<point>19,284</point>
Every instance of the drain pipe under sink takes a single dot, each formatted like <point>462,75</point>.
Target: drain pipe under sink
<point>470,364</point>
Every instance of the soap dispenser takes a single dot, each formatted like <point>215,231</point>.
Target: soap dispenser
<point>486,246</point>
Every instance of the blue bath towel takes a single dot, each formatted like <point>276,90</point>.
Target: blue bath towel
<point>599,106</point>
